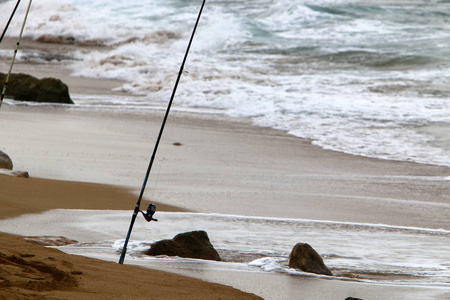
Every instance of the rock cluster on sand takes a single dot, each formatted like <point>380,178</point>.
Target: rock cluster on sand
<point>305,258</point>
<point>194,244</point>
<point>25,87</point>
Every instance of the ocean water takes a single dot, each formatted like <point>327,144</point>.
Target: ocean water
<point>369,78</point>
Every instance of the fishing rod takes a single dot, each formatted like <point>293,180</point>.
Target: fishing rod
<point>152,208</point>
<point>15,52</point>
<point>9,21</point>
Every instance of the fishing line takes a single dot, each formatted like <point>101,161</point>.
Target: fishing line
<point>9,21</point>
<point>168,132</point>
<point>151,210</point>
<point>15,53</point>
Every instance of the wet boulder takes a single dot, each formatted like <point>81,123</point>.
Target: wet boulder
<point>194,244</point>
<point>5,161</point>
<point>25,87</point>
<point>305,258</point>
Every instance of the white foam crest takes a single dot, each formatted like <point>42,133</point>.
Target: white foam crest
<point>284,14</point>
<point>86,20</point>
<point>50,17</point>
<point>218,31</point>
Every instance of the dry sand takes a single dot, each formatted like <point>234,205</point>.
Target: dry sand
<point>222,166</point>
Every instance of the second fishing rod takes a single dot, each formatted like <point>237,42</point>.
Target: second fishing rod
<point>2,96</point>
<point>9,21</point>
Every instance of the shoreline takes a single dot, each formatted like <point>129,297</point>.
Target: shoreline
<point>54,46</point>
<point>212,165</point>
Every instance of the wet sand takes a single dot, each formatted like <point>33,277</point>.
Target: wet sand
<point>223,166</point>
<point>34,195</point>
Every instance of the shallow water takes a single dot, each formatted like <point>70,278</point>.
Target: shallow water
<point>354,252</point>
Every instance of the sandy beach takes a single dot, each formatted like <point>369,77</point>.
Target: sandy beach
<point>81,158</point>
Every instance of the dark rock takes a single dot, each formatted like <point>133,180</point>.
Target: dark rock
<point>305,258</point>
<point>352,298</point>
<point>194,244</point>
<point>25,87</point>
<point>5,161</point>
